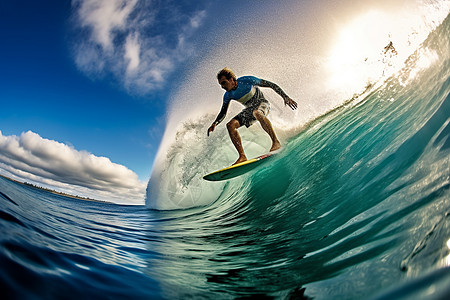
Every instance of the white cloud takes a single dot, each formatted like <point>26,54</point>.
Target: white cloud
<point>29,157</point>
<point>139,42</point>
<point>104,16</point>
<point>132,51</point>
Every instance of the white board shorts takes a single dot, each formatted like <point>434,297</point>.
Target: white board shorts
<point>246,117</point>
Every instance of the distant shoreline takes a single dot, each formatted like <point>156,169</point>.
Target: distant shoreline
<point>51,191</point>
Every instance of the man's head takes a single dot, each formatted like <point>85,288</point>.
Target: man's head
<point>227,73</point>
<point>227,79</point>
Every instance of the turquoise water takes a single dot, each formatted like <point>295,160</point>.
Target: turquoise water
<point>355,207</point>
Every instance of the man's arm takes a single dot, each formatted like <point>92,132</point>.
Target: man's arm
<point>220,116</point>
<point>222,113</point>
<point>287,100</point>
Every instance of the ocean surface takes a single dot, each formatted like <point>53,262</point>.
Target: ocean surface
<point>357,206</point>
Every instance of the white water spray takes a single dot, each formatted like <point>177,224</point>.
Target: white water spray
<point>282,55</point>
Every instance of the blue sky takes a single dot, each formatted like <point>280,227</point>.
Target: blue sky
<point>43,90</point>
<point>67,76</point>
<point>87,87</point>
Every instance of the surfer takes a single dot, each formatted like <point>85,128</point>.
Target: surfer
<point>245,90</point>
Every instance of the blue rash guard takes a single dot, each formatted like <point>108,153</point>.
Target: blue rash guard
<point>244,92</point>
<point>248,94</point>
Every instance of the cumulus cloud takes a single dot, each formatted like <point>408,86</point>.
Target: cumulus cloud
<point>139,42</point>
<point>29,157</point>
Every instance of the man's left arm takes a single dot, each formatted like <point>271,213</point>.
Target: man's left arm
<point>287,100</point>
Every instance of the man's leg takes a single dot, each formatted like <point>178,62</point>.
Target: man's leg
<point>232,127</point>
<point>267,126</point>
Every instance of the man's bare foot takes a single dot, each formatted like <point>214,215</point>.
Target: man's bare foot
<point>240,159</point>
<point>275,146</point>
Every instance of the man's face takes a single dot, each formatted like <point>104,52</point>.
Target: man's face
<point>227,84</point>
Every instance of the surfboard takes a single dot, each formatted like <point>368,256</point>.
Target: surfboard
<point>238,169</point>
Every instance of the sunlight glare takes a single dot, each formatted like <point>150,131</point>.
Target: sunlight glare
<point>361,53</point>
<point>376,44</point>
<point>447,258</point>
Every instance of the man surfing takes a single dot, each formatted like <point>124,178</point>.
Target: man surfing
<point>245,90</point>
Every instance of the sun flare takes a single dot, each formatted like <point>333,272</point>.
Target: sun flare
<point>364,48</point>
<point>373,46</point>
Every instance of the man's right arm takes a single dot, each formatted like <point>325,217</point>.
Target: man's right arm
<point>220,116</point>
<point>222,113</point>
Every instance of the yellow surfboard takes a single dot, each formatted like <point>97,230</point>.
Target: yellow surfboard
<point>237,169</point>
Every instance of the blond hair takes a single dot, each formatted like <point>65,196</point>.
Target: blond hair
<point>227,73</point>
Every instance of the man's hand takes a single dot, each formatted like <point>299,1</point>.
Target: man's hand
<point>212,127</point>
<point>291,103</point>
